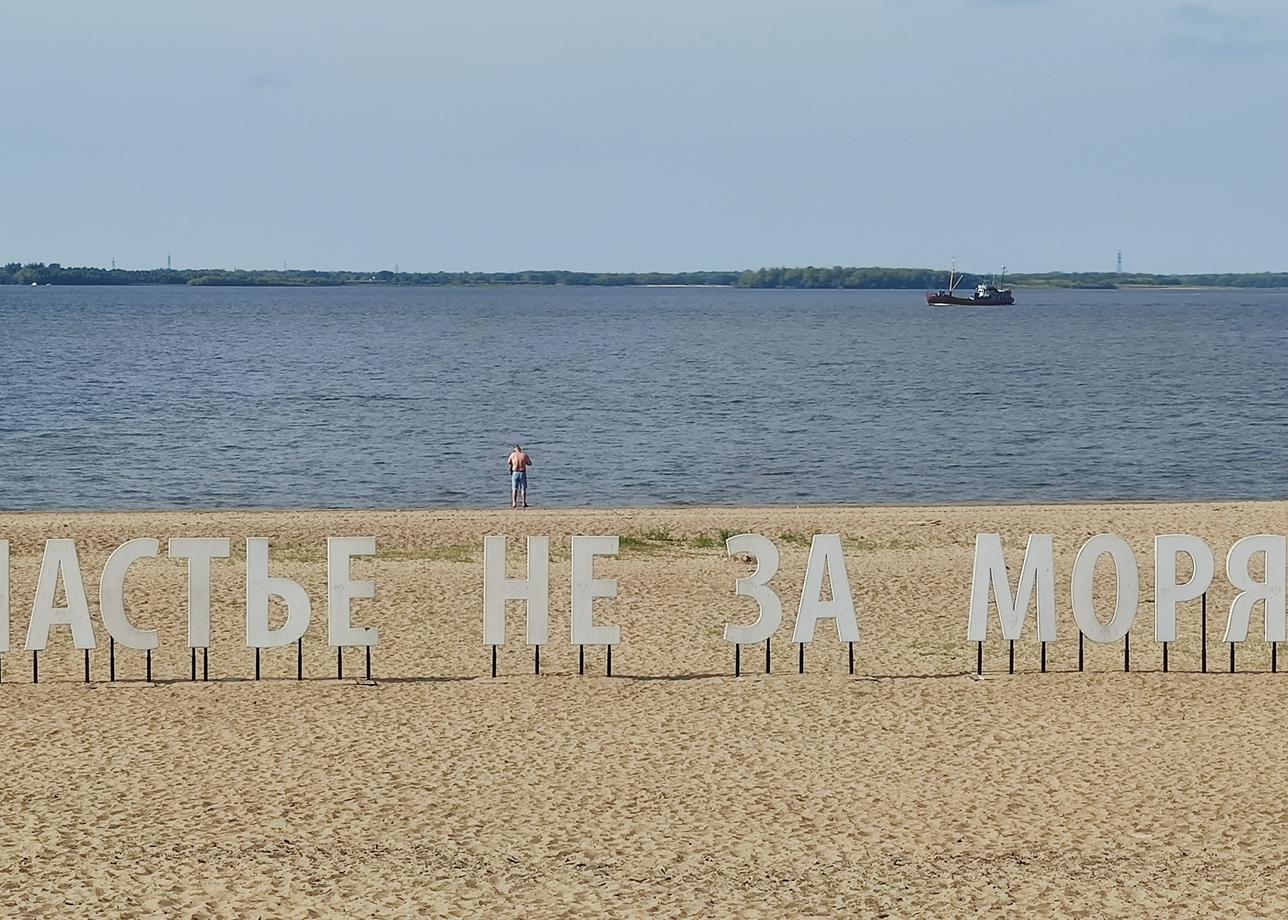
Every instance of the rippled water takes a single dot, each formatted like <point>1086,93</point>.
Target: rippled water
<point>176,397</point>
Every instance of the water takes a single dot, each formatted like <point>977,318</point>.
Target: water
<point>385,397</point>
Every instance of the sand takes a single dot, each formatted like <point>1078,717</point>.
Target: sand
<point>670,789</point>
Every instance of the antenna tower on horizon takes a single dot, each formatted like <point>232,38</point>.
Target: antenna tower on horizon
<point>167,261</point>
<point>1120,262</point>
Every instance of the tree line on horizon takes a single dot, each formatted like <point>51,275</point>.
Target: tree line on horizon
<point>808,277</point>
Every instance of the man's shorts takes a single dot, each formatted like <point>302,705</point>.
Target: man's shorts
<point>519,481</point>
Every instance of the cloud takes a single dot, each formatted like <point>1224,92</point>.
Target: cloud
<point>268,80</point>
<point>1199,30</point>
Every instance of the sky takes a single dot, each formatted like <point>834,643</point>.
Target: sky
<point>667,135</point>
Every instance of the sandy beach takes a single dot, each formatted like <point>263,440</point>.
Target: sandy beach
<point>670,789</point>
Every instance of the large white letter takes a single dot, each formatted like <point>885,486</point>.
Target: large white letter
<point>826,558</point>
<point>1127,576</point>
<point>585,588</point>
<point>199,551</point>
<point>259,588</point>
<point>534,591</point>
<point>1271,591</point>
<point>341,590</point>
<point>1038,571</point>
<point>59,561</point>
<point>756,586</point>
<point>4,597</point>
<point>1167,593</point>
<point>111,593</point>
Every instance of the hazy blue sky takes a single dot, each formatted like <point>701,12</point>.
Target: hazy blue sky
<point>593,134</point>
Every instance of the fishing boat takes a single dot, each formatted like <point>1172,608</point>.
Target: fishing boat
<point>986,295</point>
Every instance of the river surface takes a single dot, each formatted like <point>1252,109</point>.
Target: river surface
<point>175,397</point>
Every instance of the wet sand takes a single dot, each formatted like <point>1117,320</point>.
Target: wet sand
<point>670,789</point>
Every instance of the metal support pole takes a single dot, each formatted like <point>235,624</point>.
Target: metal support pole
<point>339,662</point>
<point>737,660</point>
<point>766,656</point>
<point>1043,657</point>
<point>299,658</point>
<point>979,658</point>
<point>86,665</point>
<point>851,659</point>
<point>205,664</point>
<point>1127,652</point>
<point>1274,657</point>
<point>536,659</point>
<point>1203,632</point>
<point>257,664</point>
<point>111,660</point>
<point>368,663</point>
<point>801,646</point>
<point>494,661</point>
<point>609,670</point>
<point>148,672</point>
<point>1081,641</point>
<point>35,667</point>
<point>1011,665</point>
<point>1231,657</point>
<point>581,659</point>
<point>194,662</point>
<point>1164,657</point>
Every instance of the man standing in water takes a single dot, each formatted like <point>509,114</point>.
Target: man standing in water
<point>519,462</point>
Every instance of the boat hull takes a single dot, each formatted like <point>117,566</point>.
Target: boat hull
<point>1003,299</point>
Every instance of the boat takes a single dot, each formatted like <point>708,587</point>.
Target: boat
<point>986,295</point>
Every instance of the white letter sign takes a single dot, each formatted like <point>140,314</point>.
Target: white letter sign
<point>199,551</point>
<point>58,562</point>
<point>1251,592</point>
<point>1167,593</point>
<point>756,587</point>
<point>826,558</point>
<point>585,588</point>
<point>1037,572</point>
<point>111,594</point>
<point>259,588</point>
<point>534,591</point>
<point>341,590</point>
<point>1128,577</point>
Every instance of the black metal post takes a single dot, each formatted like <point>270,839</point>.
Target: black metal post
<point>205,663</point>
<point>737,660</point>
<point>148,673</point>
<point>1081,642</point>
<point>1274,657</point>
<point>86,665</point>
<point>1127,651</point>
<point>299,658</point>
<point>609,670</point>
<point>801,645</point>
<point>536,659</point>
<point>111,660</point>
<point>1203,632</point>
<point>1011,664</point>
<point>35,667</point>
<point>851,659</point>
<point>979,658</point>
<point>1164,657</point>
<point>339,662</point>
<point>1043,657</point>
<point>368,648</point>
<point>494,661</point>
<point>581,659</point>
<point>1231,657</point>
<point>194,662</point>
<point>257,664</point>
<point>766,656</point>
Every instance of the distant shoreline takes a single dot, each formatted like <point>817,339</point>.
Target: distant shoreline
<point>807,278</point>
